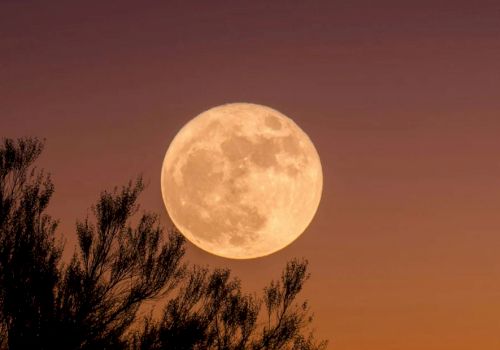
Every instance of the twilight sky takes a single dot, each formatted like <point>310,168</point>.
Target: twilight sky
<point>401,99</point>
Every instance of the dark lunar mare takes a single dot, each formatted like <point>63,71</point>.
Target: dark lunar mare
<point>199,178</point>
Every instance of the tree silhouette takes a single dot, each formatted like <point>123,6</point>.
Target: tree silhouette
<point>123,260</point>
<point>28,253</point>
<point>211,312</point>
<point>117,267</point>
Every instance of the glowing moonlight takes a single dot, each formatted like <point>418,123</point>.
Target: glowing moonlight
<point>241,180</point>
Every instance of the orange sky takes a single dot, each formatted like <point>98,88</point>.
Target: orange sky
<point>401,99</point>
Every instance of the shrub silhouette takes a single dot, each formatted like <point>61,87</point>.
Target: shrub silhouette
<point>92,302</point>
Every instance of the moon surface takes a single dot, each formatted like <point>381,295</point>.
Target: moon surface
<point>241,181</point>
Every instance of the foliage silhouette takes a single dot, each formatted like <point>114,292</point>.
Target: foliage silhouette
<point>117,268</point>
<point>211,312</point>
<point>124,260</point>
<point>28,252</point>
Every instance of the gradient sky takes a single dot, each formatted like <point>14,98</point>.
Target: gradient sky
<point>401,98</point>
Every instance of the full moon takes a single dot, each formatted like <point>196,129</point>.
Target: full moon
<point>241,181</point>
